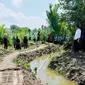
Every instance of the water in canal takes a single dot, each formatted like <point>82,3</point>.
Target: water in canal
<point>46,75</point>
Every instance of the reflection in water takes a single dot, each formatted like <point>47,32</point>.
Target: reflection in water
<point>47,75</point>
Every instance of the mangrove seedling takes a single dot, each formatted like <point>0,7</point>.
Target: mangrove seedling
<point>35,69</point>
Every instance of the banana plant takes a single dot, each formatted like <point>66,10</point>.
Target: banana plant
<point>2,31</point>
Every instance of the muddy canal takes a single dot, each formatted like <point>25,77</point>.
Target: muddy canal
<point>46,75</point>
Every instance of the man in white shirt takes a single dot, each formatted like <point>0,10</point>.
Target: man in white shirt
<point>77,39</point>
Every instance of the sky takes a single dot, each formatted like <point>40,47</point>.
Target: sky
<point>24,13</point>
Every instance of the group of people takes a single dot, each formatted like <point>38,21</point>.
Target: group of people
<point>78,44</point>
<point>79,39</point>
<point>16,42</point>
<point>57,39</point>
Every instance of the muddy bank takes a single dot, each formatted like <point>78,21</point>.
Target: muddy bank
<point>71,65</point>
<point>29,78</point>
<point>27,57</point>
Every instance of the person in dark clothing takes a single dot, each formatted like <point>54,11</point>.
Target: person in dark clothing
<point>14,41</point>
<point>18,46</point>
<point>25,41</point>
<point>5,42</point>
<point>38,36</point>
<point>83,39</point>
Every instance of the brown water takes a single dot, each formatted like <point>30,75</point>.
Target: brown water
<point>46,75</point>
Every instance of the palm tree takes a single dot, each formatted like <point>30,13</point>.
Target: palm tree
<point>53,17</point>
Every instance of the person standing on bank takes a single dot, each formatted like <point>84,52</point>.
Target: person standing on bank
<point>5,42</point>
<point>38,36</point>
<point>14,41</point>
<point>77,39</point>
<point>83,38</point>
<point>34,38</point>
<point>25,41</point>
<point>18,46</point>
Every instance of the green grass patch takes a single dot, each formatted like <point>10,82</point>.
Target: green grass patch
<point>21,62</point>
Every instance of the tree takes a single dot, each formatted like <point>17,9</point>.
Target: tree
<point>35,31</point>
<point>53,17</point>
<point>14,27</point>
<point>73,11</point>
<point>29,30</point>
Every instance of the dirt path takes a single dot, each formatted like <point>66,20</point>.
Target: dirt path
<point>8,59</point>
<point>11,76</point>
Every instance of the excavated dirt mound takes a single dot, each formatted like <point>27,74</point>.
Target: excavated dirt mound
<point>29,78</point>
<point>27,57</point>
